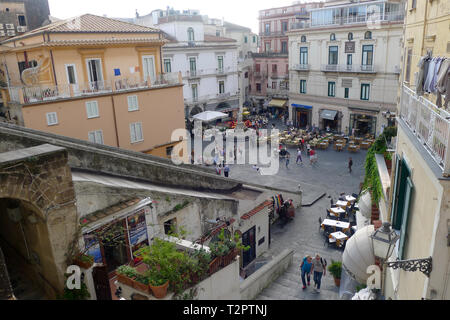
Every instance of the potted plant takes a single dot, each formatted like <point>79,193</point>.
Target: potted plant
<point>388,160</point>
<point>84,261</point>
<point>335,268</point>
<point>126,275</point>
<point>158,283</point>
<point>142,283</point>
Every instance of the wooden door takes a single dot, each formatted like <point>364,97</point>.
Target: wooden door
<point>101,283</point>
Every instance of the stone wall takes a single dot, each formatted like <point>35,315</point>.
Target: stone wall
<point>100,158</point>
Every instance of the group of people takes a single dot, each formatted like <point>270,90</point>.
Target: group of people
<point>317,267</point>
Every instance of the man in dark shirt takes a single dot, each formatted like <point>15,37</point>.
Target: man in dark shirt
<point>350,164</point>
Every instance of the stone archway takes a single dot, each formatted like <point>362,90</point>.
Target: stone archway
<point>195,110</point>
<point>41,178</point>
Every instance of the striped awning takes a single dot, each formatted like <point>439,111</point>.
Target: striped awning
<point>329,114</point>
<point>278,103</point>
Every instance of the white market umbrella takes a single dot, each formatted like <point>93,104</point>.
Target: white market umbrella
<point>208,116</point>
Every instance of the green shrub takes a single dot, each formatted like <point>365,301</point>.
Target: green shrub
<point>335,268</point>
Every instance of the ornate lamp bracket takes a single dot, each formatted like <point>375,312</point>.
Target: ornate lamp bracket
<point>423,265</point>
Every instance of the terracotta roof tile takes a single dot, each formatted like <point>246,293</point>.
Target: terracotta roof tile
<point>95,216</point>
<point>256,210</point>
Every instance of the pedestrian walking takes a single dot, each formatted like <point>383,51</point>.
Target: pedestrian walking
<point>305,268</point>
<point>308,149</point>
<point>299,156</point>
<point>319,269</point>
<point>350,164</point>
<point>287,160</point>
<point>226,171</point>
<point>312,156</point>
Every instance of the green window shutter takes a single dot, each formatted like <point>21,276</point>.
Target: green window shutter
<point>405,216</point>
<point>395,194</point>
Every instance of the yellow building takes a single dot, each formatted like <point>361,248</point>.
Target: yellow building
<point>96,79</point>
<point>418,204</point>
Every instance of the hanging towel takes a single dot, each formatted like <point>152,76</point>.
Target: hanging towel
<point>421,75</point>
<point>435,75</point>
<point>430,75</point>
<point>443,83</point>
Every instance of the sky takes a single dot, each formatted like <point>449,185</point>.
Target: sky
<point>242,12</point>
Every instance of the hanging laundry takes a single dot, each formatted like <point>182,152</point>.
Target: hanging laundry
<point>421,74</point>
<point>435,75</point>
<point>429,77</point>
<point>443,84</point>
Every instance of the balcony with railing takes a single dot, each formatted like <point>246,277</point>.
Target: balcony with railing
<point>355,68</point>
<point>278,92</point>
<point>208,72</point>
<point>349,20</point>
<point>211,98</point>
<point>301,67</point>
<point>429,124</point>
<point>42,93</point>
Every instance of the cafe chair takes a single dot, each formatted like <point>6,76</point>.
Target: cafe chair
<point>320,223</point>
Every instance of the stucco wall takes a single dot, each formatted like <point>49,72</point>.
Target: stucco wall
<point>264,276</point>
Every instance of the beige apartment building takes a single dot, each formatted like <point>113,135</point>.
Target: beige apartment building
<point>420,186</point>
<point>96,79</point>
<point>344,66</point>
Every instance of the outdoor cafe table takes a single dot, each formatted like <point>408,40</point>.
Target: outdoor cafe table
<point>350,198</point>
<point>336,224</point>
<point>339,236</point>
<point>337,211</point>
<point>342,204</point>
<point>339,146</point>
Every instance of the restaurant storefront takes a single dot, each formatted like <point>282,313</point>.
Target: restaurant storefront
<point>277,107</point>
<point>116,241</point>
<point>363,124</point>
<point>331,119</point>
<point>301,115</point>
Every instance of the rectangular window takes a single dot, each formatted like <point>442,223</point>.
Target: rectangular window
<point>258,87</point>
<point>408,65</point>
<point>413,4</point>
<point>349,59</point>
<point>254,39</point>
<point>194,92</point>
<point>96,136</point>
<point>284,26</point>
<point>302,86</point>
<point>267,46</point>
<point>367,55</point>
<point>284,47</point>
<point>136,132</point>
<point>274,68</point>
<point>333,55</point>
<point>92,109</point>
<point>167,66</point>
<point>220,63</point>
<point>221,87</point>
<point>71,74</point>
<point>365,91</point>
<point>258,68</point>
<point>52,118</point>
<point>346,93</point>
<point>274,85</point>
<point>22,21</point>
<point>193,66</point>
<point>331,89</point>
<point>245,39</point>
<point>303,55</point>
<point>267,28</point>
<point>133,103</point>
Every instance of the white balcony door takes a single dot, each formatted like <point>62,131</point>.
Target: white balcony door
<point>72,78</point>
<point>148,63</point>
<point>95,73</point>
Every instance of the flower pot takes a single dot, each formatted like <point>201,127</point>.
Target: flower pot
<point>83,264</point>
<point>125,280</point>
<point>215,265</point>
<point>388,164</point>
<point>142,287</point>
<point>229,258</point>
<point>337,282</point>
<point>160,291</point>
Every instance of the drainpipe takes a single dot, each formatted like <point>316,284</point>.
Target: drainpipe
<point>53,62</point>
<point>115,120</point>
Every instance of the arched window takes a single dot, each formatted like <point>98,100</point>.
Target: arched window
<point>303,39</point>
<point>368,35</point>
<point>332,37</point>
<point>350,36</point>
<point>191,34</point>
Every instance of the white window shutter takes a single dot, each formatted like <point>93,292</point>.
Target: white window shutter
<point>139,134</point>
<point>99,137</point>
<point>91,136</point>
<point>133,132</point>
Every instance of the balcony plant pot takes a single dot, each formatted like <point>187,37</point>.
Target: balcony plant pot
<point>335,268</point>
<point>228,259</point>
<point>125,280</point>
<point>214,265</point>
<point>84,261</point>
<point>142,287</point>
<point>160,291</point>
<point>337,282</point>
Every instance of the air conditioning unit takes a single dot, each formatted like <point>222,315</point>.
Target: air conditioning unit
<point>21,29</point>
<point>9,26</point>
<point>10,33</point>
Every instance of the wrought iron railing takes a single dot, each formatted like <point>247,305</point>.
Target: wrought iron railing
<point>356,68</point>
<point>430,125</point>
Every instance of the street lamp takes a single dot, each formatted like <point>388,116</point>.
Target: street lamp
<point>383,241</point>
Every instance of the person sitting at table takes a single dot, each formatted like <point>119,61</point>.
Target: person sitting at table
<point>342,216</point>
